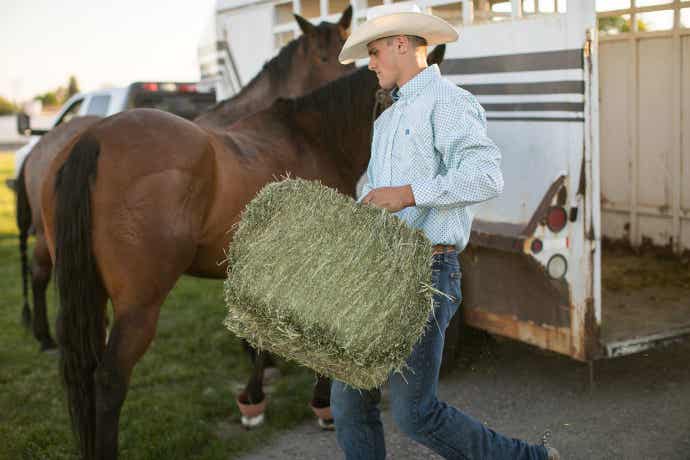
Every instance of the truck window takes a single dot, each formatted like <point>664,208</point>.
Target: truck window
<point>71,112</point>
<point>98,105</point>
<point>184,104</point>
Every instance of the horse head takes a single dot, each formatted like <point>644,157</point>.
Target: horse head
<point>320,48</point>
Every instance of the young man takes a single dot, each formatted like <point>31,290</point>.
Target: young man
<point>431,158</point>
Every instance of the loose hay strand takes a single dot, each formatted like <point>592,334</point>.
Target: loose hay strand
<point>340,287</point>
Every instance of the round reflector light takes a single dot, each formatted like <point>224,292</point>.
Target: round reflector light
<point>557,267</point>
<point>537,246</point>
<point>556,219</point>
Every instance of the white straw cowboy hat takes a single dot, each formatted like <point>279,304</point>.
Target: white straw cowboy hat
<point>402,18</point>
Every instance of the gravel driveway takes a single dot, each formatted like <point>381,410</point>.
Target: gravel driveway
<point>639,407</point>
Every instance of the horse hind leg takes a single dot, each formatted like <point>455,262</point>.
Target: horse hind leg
<point>40,277</point>
<point>130,336</point>
<point>271,371</point>
<point>321,403</point>
<point>252,401</point>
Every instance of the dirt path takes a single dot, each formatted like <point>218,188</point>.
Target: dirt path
<point>639,408</point>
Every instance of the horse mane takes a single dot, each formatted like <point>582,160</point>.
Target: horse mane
<point>278,66</point>
<point>275,69</point>
<point>343,106</point>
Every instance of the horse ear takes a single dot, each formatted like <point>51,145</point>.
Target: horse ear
<point>306,26</point>
<point>346,18</point>
<point>436,56</point>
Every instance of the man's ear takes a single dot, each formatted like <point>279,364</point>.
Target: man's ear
<point>401,43</point>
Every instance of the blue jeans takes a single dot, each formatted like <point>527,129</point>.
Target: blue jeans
<point>416,409</point>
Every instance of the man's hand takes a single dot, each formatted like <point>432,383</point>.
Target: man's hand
<point>391,198</point>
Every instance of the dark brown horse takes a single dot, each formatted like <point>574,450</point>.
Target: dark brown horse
<point>302,65</point>
<point>144,197</point>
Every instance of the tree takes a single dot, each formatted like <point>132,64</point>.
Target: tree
<point>48,99</point>
<point>72,87</point>
<point>6,107</point>
<point>619,24</point>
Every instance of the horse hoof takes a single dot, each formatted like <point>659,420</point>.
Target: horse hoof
<point>324,417</point>
<point>252,414</point>
<point>323,413</point>
<point>252,422</point>
<point>326,424</point>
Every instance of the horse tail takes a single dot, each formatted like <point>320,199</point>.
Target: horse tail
<point>24,226</point>
<point>81,292</point>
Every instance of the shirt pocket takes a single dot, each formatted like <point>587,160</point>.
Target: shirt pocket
<point>421,159</point>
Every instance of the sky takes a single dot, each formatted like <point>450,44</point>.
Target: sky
<point>101,42</point>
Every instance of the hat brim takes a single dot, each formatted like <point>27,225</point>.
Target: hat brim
<point>431,28</point>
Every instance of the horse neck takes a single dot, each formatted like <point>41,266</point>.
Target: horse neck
<point>256,96</point>
<point>343,135</point>
<point>259,94</point>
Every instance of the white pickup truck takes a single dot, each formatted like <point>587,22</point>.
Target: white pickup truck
<point>184,99</point>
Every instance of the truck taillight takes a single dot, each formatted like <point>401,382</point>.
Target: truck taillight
<point>150,86</point>
<point>556,219</point>
<point>186,88</point>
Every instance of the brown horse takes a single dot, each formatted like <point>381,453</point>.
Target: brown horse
<point>302,65</point>
<point>29,181</point>
<point>144,197</point>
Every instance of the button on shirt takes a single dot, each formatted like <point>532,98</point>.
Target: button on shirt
<point>434,138</point>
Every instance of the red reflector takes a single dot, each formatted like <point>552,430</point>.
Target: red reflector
<point>186,88</point>
<point>536,246</point>
<point>556,219</point>
<point>150,86</point>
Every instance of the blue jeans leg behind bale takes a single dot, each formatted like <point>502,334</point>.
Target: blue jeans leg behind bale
<point>416,409</point>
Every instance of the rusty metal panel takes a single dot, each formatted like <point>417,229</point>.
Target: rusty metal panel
<point>513,285</point>
<point>557,339</point>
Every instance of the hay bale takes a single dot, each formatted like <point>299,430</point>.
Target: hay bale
<point>339,287</point>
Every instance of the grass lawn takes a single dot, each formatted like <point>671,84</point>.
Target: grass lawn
<point>181,401</point>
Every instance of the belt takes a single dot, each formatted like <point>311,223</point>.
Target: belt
<point>441,248</point>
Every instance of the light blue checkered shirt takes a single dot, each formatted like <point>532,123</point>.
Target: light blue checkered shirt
<point>434,138</point>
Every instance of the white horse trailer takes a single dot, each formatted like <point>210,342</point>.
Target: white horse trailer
<point>589,102</point>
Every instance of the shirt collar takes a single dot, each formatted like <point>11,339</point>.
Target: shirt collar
<point>417,83</point>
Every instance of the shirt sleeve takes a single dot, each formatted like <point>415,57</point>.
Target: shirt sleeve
<point>472,160</point>
<point>370,167</point>
<point>367,187</point>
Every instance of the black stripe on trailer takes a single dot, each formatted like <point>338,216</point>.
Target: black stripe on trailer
<point>526,62</point>
<point>535,107</point>
<point>547,87</point>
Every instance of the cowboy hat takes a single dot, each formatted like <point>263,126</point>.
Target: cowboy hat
<point>402,18</point>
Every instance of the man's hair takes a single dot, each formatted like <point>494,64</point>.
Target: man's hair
<point>413,39</point>
<point>416,41</point>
